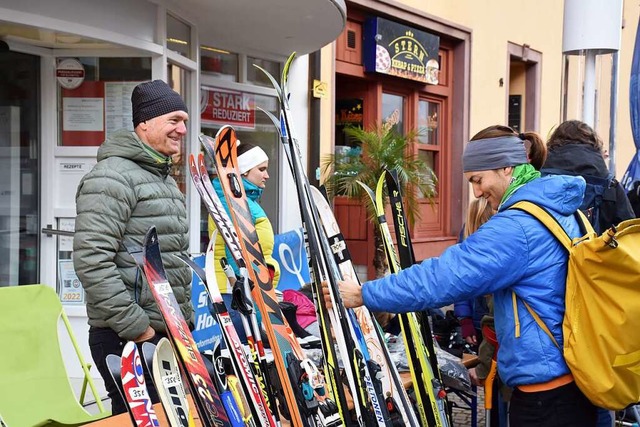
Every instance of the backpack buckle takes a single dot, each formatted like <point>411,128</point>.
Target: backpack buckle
<point>609,237</point>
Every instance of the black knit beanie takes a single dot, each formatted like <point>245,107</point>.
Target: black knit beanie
<point>153,99</point>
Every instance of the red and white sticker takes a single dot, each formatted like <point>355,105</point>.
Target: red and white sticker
<point>70,73</point>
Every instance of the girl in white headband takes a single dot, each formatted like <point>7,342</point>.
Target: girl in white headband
<point>253,163</point>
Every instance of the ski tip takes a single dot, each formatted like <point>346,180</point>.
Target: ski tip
<point>151,236</point>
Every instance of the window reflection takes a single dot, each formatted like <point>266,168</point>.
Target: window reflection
<point>428,120</point>
<point>393,111</point>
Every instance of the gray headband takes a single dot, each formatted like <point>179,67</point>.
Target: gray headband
<point>494,153</point>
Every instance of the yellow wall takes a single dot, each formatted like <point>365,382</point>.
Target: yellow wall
<point>538,24</point>
<point>625,149</point>
<point>493,24</point>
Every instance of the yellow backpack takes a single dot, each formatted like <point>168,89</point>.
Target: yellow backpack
<point>601,326</point>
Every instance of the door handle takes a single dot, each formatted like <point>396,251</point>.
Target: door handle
<point>49,231</point>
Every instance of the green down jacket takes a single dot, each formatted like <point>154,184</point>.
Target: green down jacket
<point>128,191</point>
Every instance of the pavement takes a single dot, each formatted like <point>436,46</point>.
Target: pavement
<point>462,412</point>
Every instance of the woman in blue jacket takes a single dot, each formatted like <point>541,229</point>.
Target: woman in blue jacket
<point>515,258</point>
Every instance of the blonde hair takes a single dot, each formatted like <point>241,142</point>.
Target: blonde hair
<point>479,212</point>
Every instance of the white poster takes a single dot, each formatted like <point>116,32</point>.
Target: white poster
<point>118,114</point>
<point>65,243</point>
<point>82,114</point>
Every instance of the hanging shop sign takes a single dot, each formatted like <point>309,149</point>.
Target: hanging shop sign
<point>399,50</point>
<point>226,107</point>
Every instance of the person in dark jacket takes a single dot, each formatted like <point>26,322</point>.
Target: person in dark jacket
<point>574,148</point>
<point>515,258</point>
<point>128,191</point>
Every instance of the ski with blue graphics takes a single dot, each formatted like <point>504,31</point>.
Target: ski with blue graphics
<point>135,388</point>
<point>369,403</point>
<point>206,397</point>
<point>303,397</point>
<point>407,258</point>
<point>427,389</point>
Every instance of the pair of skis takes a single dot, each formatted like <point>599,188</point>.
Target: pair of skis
<point>363,373</point>
<point>301,386</point>
<point>418,340</point>
<point>127,373</point>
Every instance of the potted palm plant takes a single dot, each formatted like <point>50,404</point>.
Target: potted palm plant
<point>379,148</point>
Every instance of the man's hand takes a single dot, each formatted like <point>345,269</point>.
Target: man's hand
<point>146,335</point>
<point>350,291</point>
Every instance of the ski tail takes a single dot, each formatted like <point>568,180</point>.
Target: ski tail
<point>135,388</point>
<point>166,376</point>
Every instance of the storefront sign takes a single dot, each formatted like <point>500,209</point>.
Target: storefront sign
<point>349,112</point>
<point>398,50</point>
<point>70,73</point>
<point>226,107</point>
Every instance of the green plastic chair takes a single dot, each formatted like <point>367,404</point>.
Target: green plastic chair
<point>34,384</point>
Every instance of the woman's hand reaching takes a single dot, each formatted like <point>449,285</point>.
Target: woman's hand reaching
<point>350,291</point>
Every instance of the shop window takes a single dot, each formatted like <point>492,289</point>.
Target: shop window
<point>256,76</point>
<point>428,117</point>
<point>94,97</point>
<point>430,134</point>
<point>256,128</point>
<point>393,111</point>
<point>178,36</point>
<point>219,63</point>
<point>178,79</point>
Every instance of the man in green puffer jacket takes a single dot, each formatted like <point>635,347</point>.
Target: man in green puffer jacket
<point>128,191</point>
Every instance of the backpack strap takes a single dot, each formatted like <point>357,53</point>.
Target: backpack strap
<point>552,224</point>
<point>556,229</point>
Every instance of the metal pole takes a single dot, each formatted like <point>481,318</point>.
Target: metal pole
<point>613,112</point>
<point>589,88</point>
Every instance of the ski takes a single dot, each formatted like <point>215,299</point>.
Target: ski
<point>417,358</point>
<point>406,257</point>
<point>390,382</point>
<point>205,396</point>
<point>219,376</point>
<point>252,382</point>
<point>135,388</point>
<point>162,363</point>
<point>114,365</point>
<point>369,407</point>
<point>307,399</point>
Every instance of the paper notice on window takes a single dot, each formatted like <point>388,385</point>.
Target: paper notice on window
<point>83,114</point>
<point>118,114</point>
<point>71,290</point>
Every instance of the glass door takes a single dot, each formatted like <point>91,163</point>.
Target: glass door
<point>19,168</point>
